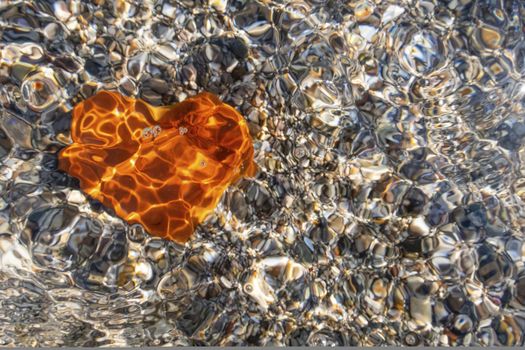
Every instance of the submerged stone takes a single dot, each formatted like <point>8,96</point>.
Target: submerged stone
<point>163,167</point>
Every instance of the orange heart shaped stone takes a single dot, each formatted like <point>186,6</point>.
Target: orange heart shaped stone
<point>163,167</point>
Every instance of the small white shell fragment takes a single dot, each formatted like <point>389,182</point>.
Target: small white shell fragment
<point>391,13</point>
<point>257,288</point>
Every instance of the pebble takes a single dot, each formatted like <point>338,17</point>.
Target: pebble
<point>61,11</point>
<point>419,227</point>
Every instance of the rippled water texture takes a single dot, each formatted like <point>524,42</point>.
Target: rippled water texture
<point>389,203</point>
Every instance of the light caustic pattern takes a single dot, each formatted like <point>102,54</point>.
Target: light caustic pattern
<point>163,167</point>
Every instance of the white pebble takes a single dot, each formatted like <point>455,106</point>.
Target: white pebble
<point>419,226</point>
<point>61,11</point>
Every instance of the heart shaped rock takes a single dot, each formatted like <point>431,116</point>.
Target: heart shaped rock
<point>163,167</point>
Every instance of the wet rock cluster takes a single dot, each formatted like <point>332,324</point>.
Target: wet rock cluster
<point>389,208</point>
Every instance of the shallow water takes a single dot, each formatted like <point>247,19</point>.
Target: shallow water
<point>389,204</point>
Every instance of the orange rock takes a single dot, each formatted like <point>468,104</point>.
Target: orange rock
<point>163,167</point>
